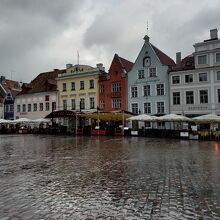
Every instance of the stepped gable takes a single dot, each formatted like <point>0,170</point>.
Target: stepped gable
<point>164,59</point>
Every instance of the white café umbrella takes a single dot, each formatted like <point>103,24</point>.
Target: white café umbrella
<point>3,121</point>
<point>207,119</point>
<point>41,120</point>
<point>142,117</point>
<point>174,118</point>
<point>22,120</point>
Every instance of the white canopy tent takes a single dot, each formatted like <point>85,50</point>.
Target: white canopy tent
<point>174,118</point>
<point>207,119</point>
<point>142,117</point>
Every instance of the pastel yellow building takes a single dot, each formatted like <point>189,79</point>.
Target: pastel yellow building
<point>78,87</point>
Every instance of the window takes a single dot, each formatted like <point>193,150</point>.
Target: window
<point>47,98</point>
<point>202,59</point>
<point>146,89</point>
<point>11,108</point>
<point>64,87</point>
<point>189,97</point>
<point>134,108</point>
<point>160,107</point>
<point>41,107</point>
<point>176,98</point>
<point>134,92</point>
<point>152,72</point>
<point>175,79</point>
<point>18,108</point>
<point>29,107</point>
<point>47,106</point>
<point>54,106</point>
<point>81,84</point>
<point>23,108</point>
<point>203,77</point>
<point>218,75</point>
<point>203,94</point>
<point>82,103</point>
<point>35,107</point>
<point>73,104</point>
<point>141,74</point>
<point>91,84</point>
<point>146,61</point>
<point>101,88</point>
<point>217,57</point>
<point>160,89</point>
<point>147,108</point>
<point>218,91</point>
<point>64,104</point>
<point>92,102</point>
<point>102,104</point>
<point>116,103</point>
<point>73,86</point>
<point>116,87</point>
<point>6,108</point>
<point>189,78</point>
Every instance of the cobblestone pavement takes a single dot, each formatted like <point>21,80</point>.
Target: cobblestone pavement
<point>57,177</point>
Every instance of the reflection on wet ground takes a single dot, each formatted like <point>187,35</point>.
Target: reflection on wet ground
<point>58,177</point>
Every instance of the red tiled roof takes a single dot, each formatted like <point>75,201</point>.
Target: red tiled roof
<point>39,83</point>
<point>126,64</point>
<point>164,59</point>
<point>12,86</point>
<point>186,64</point>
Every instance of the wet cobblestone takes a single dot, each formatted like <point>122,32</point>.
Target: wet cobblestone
<point>57,177</point>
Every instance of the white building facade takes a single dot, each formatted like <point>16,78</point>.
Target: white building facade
<point>195,89</point>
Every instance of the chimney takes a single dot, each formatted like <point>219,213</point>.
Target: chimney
<point>68,65</point>
<point>178,57</point>
<point>214,34</point>
<point>100,66</point>
<point>2,79</point>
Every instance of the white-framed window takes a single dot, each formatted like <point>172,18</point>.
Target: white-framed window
<point>116,103</point>
<point>146,90</point>
<point>82,103</point>
<point>18,108</point>
<point>134,92</point>
<point>175,79</point>
<point>92,102</point>
<point>47,106</point>
<point>218,75</point>
<point>203,96</point>
<point>73,87</point>
<point>189,78</point>
<point>202,59</point>
<point>101,88</point>
<point>160,107</point>
<point>54,106</point>
<point>11,108</point>
<point>47,98</point>
<point>64,87</point>
<point>116,87</point>
<point>29,107</point>
<point>176,98</point>
<point>81,85</point>
<point>218,95</point>
<point>64,104</point>
<point>160,89</point>
<point>152,72</point>
<point>189,97</point>
<point>91,84</point>
<point>134,108</point>
<point>41,106</point>
<point>147,108</point>
<point>35,107</point>
<point>73,104</point>
<point>24,108</point>
<point>217,57</point>
<point>203,77</point>
<point>141,74</point>
<point>102,104</point>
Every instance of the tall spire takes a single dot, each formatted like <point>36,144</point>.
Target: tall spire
<point>147,28</point>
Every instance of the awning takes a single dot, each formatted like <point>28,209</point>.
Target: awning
<point>62,114</point>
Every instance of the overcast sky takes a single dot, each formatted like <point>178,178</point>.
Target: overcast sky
<point>40,35</point>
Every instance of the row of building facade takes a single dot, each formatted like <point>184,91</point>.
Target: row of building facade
<point>154,84</point>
